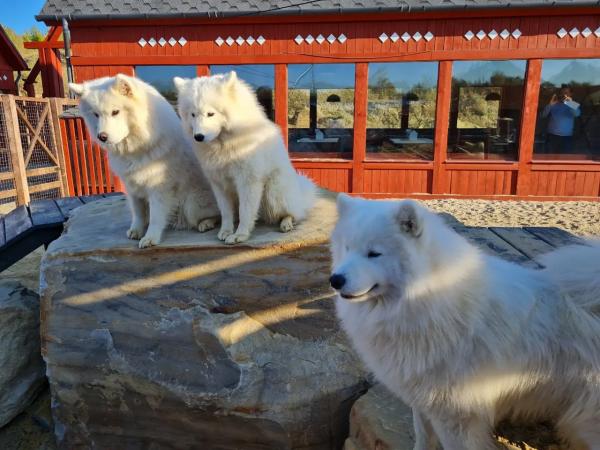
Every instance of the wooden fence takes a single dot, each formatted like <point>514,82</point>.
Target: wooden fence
<point>45,152</point>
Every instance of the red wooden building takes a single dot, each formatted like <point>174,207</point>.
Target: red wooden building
<point>11,61</point>
<point>378,97</point>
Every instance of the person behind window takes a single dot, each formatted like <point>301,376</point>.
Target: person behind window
<point>561,112</point>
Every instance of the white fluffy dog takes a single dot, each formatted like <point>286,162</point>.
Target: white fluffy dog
<point>465,338</point>
<point>243,156</point>
<point>148,151</point>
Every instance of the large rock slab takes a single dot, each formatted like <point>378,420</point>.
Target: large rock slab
<point>194,344</point>
<point>21,365</point>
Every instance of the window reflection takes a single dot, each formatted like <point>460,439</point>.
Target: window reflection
<point>401,110</point>
<point>161,77</point>
<point>568,125</point>
<point>321,109</point>
<point>261,77</point>
<point>485,109</point>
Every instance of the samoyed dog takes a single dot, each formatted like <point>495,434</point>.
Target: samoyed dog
<point>243,156</point>
<point>148,151</point>
<point>464,338</point>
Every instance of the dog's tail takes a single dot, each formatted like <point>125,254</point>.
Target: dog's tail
<point>576,268</point>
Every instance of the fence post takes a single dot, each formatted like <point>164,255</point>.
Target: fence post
<point>55,112</point>
<point>16,149</point>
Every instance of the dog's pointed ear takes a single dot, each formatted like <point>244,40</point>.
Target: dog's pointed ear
<point>409,218</point>
<point>230,82</point>
<point>180,83</point>
<point>77,88</point>
<point>344,203</point>
<point>123,85</point>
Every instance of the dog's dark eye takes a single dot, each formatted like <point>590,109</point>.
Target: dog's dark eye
<point>115,112</point>
<point>210,114</point>
<point>373,254</point>
<point>193,114</point>
<point>96,114</point>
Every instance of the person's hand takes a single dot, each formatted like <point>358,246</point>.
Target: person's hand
<point>566,98</point>
<point>554,99</point>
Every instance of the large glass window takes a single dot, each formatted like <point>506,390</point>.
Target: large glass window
<point>485,109</point>
<point>568,125</point>
<point>401,110</point>
<point>321,110</point>
<point>161,77</point>
<point>261,77</point>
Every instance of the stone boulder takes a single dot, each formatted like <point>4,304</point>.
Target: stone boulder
<point>21,365</point>
<point>195,344</point>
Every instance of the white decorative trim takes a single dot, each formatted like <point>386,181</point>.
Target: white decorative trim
<point>219,41</point>
<point>320,39</point>
<point>331,38</point>
<point>493,34</point>
<point>562,33</point>
<point>173,41</point>
<point>516,33</point>
<point>428,36</point>
<point>229,41</point>
<point>481,34</point>
<point>240,41</point>
<point>142,42</point>
<point>394,37</point>
<point>162,42</point>
<point>152,42</point>
<point>597,32</point>
<point>586,32</point>
<point>406,37</point>
<point>4,77</point>
<point>342,38</point>
<point>383,37</point>
<point>182,41</point>
<point>309,39</point>
<point>250,40</point>
<point>469,35</point>
<point>417,36</point>
<point>299,39</point>
<point>574,32</point>
<point>261,40</point>
<point>505,34</point>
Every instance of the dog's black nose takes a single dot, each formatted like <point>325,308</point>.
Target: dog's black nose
<point>199,137</point>
<point>337,281</point>
<point>103,137</point>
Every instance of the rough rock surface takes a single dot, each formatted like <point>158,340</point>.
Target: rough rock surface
<point>21,365</point>
<point>194,344</point>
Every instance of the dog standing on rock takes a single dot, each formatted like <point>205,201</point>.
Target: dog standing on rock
<point>148,151</point>
<point>243,156</point>
<point>465,338</point>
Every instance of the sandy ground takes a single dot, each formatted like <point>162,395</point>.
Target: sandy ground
<point>30,430</point>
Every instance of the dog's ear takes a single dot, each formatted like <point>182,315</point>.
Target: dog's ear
<point>344,203</point>
<point>230,82</point>
<point>180,83</point>
<point>409,218</point>
<point>77,89</point>
<point>123,85</point>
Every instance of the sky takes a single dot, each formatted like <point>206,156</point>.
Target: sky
<point>20,14</point>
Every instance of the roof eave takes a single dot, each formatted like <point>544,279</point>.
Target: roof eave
<point>18,62</point>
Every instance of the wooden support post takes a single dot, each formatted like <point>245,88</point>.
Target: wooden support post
<point>442,117</point>
<point>15,148</point>
<point>527,129</point>
<point>281,99</point>
<point>359,144</point>
<point>202,70</point>
<point>55,111</point>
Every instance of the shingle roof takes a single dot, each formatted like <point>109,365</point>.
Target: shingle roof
<point>112,9</point>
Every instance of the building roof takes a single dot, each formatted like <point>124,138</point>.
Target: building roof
<point>127,9</point>
<point>10,52</point>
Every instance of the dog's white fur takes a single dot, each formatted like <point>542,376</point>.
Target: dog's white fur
<point>148,150</point>
<point>243,156</point>
<point>465,338</point>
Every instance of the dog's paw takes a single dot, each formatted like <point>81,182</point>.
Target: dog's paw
<point>135,233</point>
<point>224,233</point>
<point>236,238</point>
<point>148,241</point>
<point>287,224</point>
<point>206,224</point>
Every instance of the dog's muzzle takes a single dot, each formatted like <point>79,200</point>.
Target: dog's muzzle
<point>337,281</point>
<point>199,137</point>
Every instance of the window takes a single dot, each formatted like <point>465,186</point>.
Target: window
<point>485,109</point>
<point>401,110</point>
<point>321,110</point>
<point>568,125</point>
<point>161,77</point>
<point>261,77</point>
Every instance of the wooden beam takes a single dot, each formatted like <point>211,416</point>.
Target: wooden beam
<point>528,122</point>
<point>359,147</point>
<point>44,44</point>
<point>45,186</point>
<point>55,111</point>
<point>442,118</point>
<point>16,149</point>
<point>281,99</point>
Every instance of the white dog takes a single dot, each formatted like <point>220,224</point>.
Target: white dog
<point>148,151</point>
<point>465,338</point>
<point>243,156</point>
